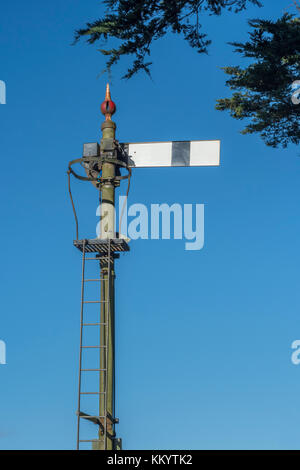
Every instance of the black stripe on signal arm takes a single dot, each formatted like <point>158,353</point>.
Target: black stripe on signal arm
<point>181,152</point>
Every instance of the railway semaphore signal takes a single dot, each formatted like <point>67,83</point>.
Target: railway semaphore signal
<point>104,165</point>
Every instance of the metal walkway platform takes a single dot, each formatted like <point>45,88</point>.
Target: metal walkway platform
<point>97,245</point>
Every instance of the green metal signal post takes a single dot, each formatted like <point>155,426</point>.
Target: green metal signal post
<point>102,165</point>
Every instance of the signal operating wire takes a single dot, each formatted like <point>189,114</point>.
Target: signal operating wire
<point>72,202</point>
<point>128,177</point>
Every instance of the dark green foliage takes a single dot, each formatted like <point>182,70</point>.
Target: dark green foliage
<point>264,88</point>
<point>137,23</point>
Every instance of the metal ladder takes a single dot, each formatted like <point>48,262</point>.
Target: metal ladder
<point>101,419</point>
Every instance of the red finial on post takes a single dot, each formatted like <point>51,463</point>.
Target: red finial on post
<point>108,107</point>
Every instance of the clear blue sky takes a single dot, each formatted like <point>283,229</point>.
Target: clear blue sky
<point>203,338</point>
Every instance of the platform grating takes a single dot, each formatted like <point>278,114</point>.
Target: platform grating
<point>102,245</point>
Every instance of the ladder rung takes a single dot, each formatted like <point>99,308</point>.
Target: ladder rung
<point>93,324</point>
<point>94,301</point>
<point>92,393</point>
<point>96,347</point>
<point>91,440</point>
<point>100,258</point>
<point>100,370</point>
<point>88,417</point>
<point>94,280</point>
